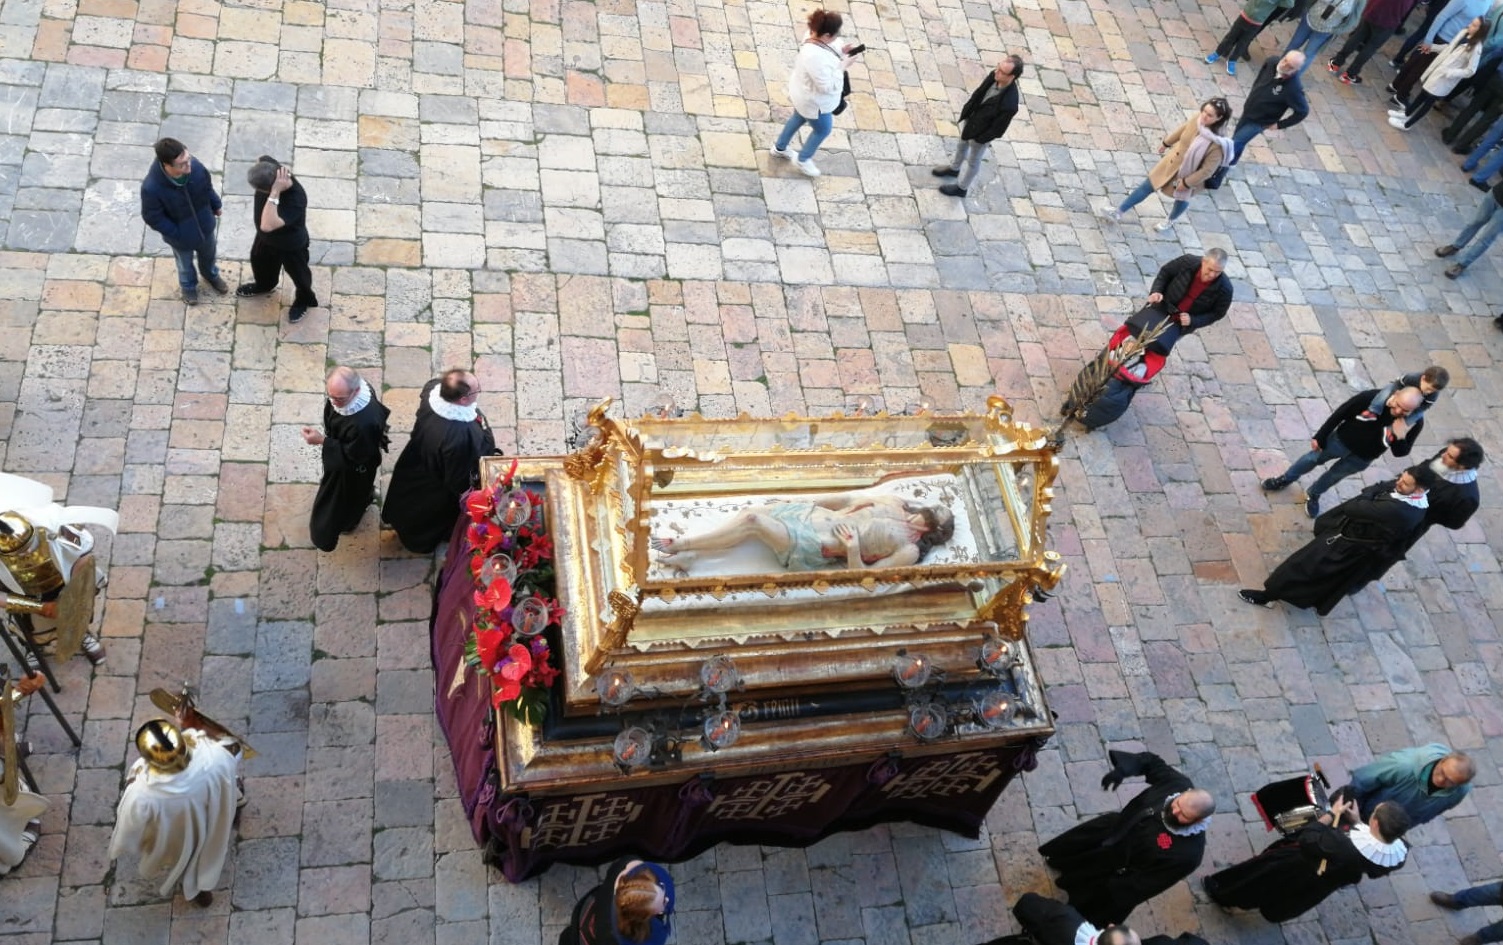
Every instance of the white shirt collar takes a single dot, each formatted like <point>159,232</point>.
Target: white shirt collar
<point>463,413</point>
<point>357,403</point>
<point>1420,500</point>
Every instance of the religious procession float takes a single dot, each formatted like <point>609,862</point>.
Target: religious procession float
<point>693,631</point>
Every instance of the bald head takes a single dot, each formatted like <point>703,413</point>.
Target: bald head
<point>1292,62</point>
<point>1405,401</point>
<point>1453,770</point>
<point>341,383</point>
<point>1118,935</point>
<point>1192,807</point>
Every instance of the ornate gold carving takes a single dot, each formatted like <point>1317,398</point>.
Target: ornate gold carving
<point>770,798</point>
<point>616,631</point>
<point>1008,608</point>
<point>946,776</point>
<point>582,821</point>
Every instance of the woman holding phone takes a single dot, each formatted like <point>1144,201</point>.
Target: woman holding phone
<point>815,87</point>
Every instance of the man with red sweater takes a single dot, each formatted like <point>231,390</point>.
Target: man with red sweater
<point>1380,20</point>
<point>1354,441</point>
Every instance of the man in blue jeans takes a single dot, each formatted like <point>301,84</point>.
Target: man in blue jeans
<point>1476,236</point>
<point>179,202</point>
<point>1488,894</point>
<point>1276,101</point>
<point>1354,441</point>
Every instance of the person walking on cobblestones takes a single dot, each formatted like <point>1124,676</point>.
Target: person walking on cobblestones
<point>1111,864</point>
<point>1192,153</point>
<point>1455,496</point>
<point>1276,101</point>
<point>1050,922</point>
<point>1248,24</point>
<point>352,439</point>
<point>1426,781</point>
<point>1477,236</point>
<point>280,214</point>
<point>1320,22</point>
<point>179,202</point>
<point>984,119</point>
<point>814,87</point>
<point>1380,19</point>
<point>1487,894</point>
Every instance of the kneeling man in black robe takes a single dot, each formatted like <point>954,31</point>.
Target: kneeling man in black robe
<point>440,463</point>
<point>353,439</point>
<point>1110,864</point>
<point>1354,543</point>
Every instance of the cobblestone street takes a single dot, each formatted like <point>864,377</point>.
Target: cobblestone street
<point>577,199</point>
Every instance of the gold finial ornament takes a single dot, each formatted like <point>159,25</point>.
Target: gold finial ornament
<point>163,746</point>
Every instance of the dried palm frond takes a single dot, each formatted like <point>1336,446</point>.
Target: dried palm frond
<point>1093,379</point>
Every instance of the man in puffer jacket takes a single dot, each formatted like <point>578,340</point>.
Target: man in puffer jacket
<point>179,202</point>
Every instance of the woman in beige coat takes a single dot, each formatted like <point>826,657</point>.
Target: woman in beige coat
<point>1192,153</point>
<point>1456,62</point>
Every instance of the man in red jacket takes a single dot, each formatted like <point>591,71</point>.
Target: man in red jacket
<point>1380,20</point>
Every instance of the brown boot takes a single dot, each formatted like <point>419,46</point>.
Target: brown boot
<point>1444,900</point>
<point>204,899</point>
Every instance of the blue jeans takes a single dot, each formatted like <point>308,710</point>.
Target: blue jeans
<point>208,263</point>
<point>1346,464</point>
<point>1303,34</point>
<point>1244,134</point>
<point>1480,233</point>
<point>1488,894</point>
<point>819,130</point>
<point>1474,161</point>
<point>1141,194</point>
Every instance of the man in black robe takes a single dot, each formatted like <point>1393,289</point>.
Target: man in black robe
<point>353,439</point>
<point>1296,873</point>
<point>1049,922</point>
<point>1354,543</point>
<point>440,463</point>
<point>1111,863</point>
<point>1454,496</point>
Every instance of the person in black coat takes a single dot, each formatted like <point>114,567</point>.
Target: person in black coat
<point>984,119</point>
<point>1276,100</point>
<point>179,202</point>
<point>633,905</point>
<point>1354,543</point>
<point>1192,290</point>
<point>1353,436</point>
<point>1454,496</point>
<point>353,439</point>
<point>1296,873</point>
<point>440,463</point>
<point>1112,863</point>
<point>1053,923</point>
<point>281,214</point>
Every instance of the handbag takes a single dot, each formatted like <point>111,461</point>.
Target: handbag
<point>1215,180</point>
<point>845,94</point>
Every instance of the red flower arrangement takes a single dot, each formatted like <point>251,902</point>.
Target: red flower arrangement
<point>519,668</point>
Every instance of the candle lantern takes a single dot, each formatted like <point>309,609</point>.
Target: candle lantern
<point>530,617</point>
<point>718,674</point>
<point>996,656</point>
<point>911,670</point>
<point>928,721</point>
<point>996,709</point>
<point>633,747</point>
<point>616,687</point>
<point>498,567</point>
<point>722,729</point>
<point>515,509</point>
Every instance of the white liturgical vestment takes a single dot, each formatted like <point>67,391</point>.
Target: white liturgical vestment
<point>181,825</point>
<point>13,821</point>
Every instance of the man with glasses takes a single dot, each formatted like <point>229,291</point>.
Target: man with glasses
<point>1426,781</point>
<point>353,439</point>
<point>179,202</point>
<point>440,463</point>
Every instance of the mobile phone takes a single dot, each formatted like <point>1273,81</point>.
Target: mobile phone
<point>857,50</point>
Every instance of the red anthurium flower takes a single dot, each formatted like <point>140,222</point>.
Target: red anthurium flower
<point>488,645</point>
<point>514,668</point>
<point>479,504</point>
<point>496,597</point>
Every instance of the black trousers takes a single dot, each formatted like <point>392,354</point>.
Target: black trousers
<point>1409,75</point>
<point>267,262</point>
<point>1234,44</point>
<point>1365,40</point>
<point>1485,107</point>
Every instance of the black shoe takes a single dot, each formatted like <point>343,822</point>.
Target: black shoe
<point>1455,271</point>
<point>1460,148</point>
<point>1312,506</point>
<point>945,171</point>
<point>1479,184</point>
<point>296,313</point>
<point>217,284</point>
<point>1446,250</point>
<point>1275,483</point>
<point>1445,901</point>
<point>952,190</point>
<point>1258,599</point>
<point>190,296</point>
<point>1498,323</point>
<point>1390,89</point>
<point>1397,102</point>
<point>249,290</point>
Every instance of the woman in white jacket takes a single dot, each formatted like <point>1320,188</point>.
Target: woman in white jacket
<point>814,87</point>
<point>1456,62</point>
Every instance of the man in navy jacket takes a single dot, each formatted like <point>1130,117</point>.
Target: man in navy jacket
<point>179,202</point>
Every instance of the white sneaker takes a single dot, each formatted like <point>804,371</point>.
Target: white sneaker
<point>1397,113</point>
<point>783,153</point>
<point>1166,225</point>
<point>1397,122</point>
<point>1111,214</point>
<point>807,167</point>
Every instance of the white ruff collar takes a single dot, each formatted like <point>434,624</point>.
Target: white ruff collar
<point>1086,934</point>
<point>1178,830</point>
<point>358,403</point>
<point>1374,850</point>
<point>460,412</point>
<point>1420,500</point>
<point>1460,476</point>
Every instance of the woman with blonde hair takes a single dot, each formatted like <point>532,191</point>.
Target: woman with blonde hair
<point>633,905</point>
<point>814,87</point>
<point>1192,153</point>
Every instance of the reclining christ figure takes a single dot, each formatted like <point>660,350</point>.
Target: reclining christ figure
<point>852,530</point>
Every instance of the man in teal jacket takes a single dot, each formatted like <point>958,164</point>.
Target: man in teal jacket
<point>1426,781</point>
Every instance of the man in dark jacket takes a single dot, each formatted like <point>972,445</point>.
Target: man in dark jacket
<point>1277,100</point>
<point>1054,923</point>
<point>984,119</point>
<point>1112,863</point>
<point>352,441</point>
<point>1354,441</point>
<point>1455,496</point>
<point>179,202</point>
<point>440,463</point>
<point>1194,291</point>
<point>281,211</point>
